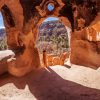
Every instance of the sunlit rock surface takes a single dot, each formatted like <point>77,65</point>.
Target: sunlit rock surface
<point>93,32</point>
<point>6,53</point>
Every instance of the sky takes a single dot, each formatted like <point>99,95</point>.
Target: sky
<point>1,21</point>
<point>51,19</point>
<point>50,7</point>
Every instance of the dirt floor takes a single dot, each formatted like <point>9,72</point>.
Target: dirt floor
<point>53,83</point>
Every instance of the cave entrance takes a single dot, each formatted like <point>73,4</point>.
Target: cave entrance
<point>53,37</point>
<point>3,37</point>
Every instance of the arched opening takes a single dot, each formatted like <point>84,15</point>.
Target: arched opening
<point>3,38</point>
<point>53,37</point>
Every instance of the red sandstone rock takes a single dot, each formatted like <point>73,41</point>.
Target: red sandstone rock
<point>24,17</point>
<point>56,60</point>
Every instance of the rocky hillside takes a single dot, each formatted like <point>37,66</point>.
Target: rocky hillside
<point>2,33</point>
<point>52,27</point>
<point>3,40</point>
<point>53,37</point>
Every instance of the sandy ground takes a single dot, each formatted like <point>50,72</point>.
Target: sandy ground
<point>53,83</point>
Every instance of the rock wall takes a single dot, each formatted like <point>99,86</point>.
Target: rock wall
<point>83,51</point>
<point>22,18</point>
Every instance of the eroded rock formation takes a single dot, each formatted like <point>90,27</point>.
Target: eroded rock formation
<point>23,17</point>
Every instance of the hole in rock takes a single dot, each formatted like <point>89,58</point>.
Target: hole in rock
<point>53,37</point>
<point>50,7</point>
<point>3,38</point>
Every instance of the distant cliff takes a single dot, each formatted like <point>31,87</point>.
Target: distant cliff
<point>52,27</point>
<point>53,37</point>
<point>2,33</point>
<point>3,39</point>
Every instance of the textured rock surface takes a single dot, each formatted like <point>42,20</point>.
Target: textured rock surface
<point>22,18</point>
<point>84,52</point>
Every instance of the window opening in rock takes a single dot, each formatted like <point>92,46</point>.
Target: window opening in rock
<point>50,7</point>
<point>53,37</point>
<point>3,38</point>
